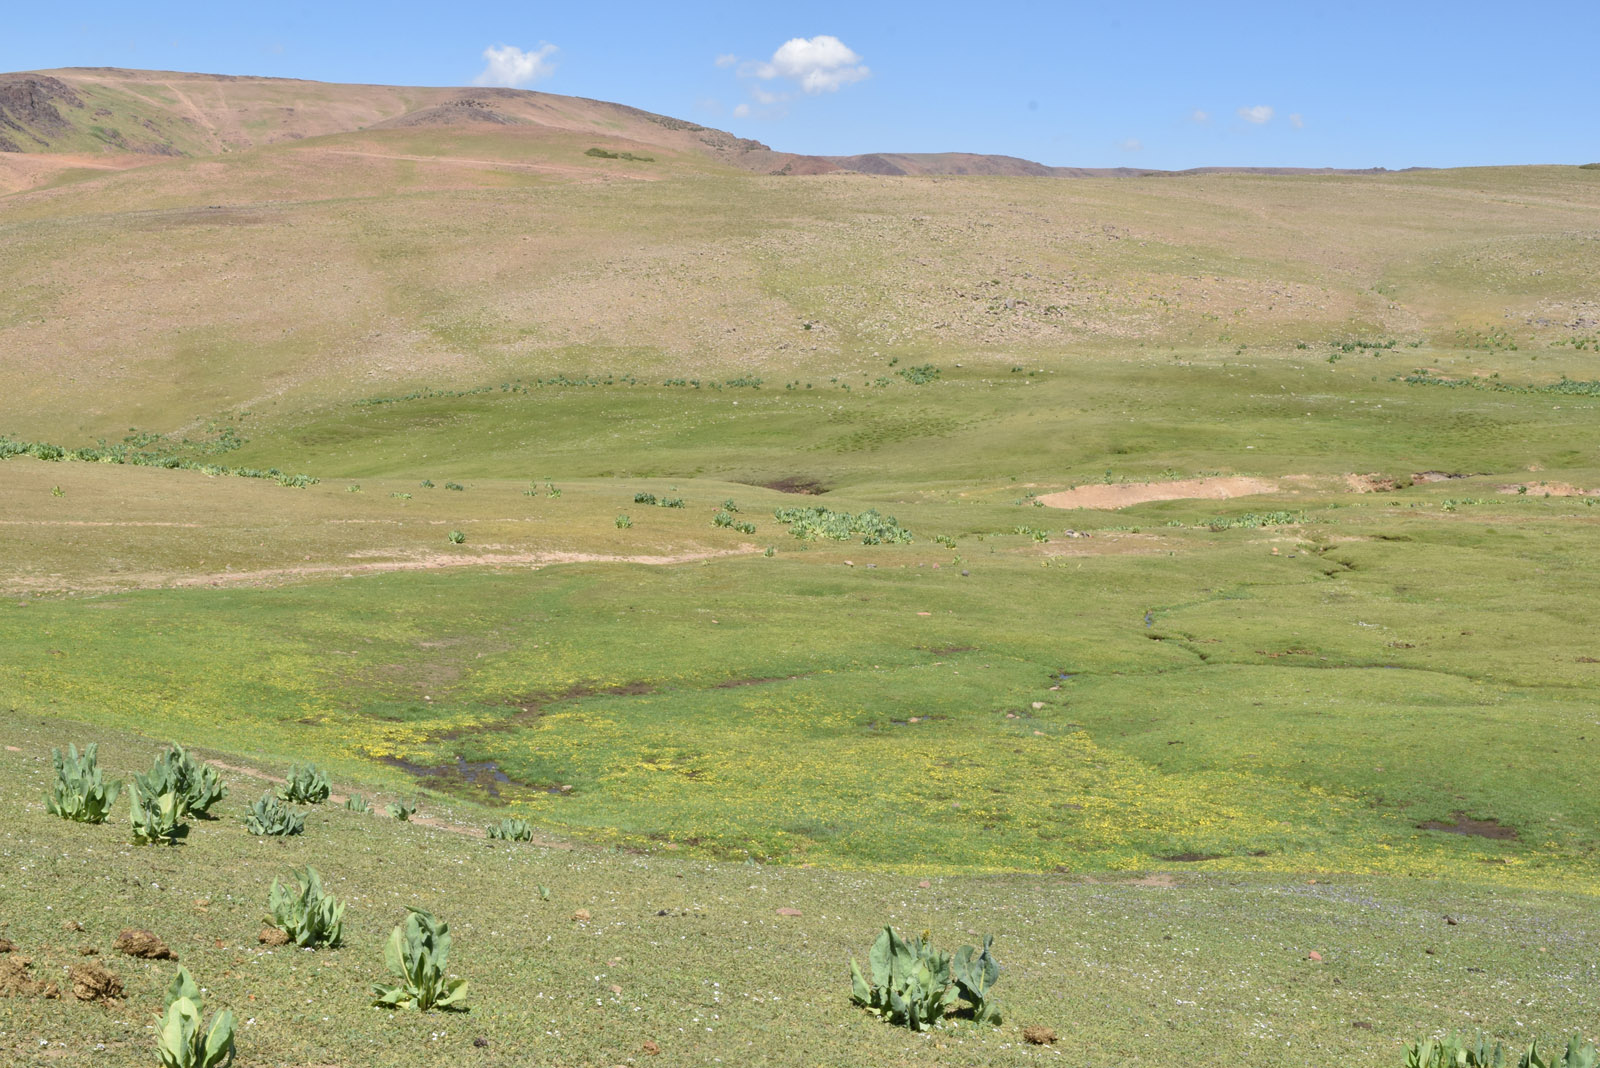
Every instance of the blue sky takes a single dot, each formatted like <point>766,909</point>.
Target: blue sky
<point>1150,84</point>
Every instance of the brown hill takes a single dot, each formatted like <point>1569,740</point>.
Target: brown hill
<point>110,117</point>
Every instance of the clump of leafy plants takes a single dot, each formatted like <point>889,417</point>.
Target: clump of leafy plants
<point>920,375</point>
<point>306,785</point>
<point>1456,1053</point>
<point>183,1040</point>
<point>416,953</point>
<point>154,818</point>
<point>512,830</point>
<point>623,522</point>
<point>810,524</point>
<point>198,786</point>
<point>401,811</point>
<point>644,498</point>
<point>456,537</point>
<point>270,816</point>
<point>916,986</point>
<point>722,519</point>
<point>357,803</point>
<point>80,792</point>
<point>309,915</point>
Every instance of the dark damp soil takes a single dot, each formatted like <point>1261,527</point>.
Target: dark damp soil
<point>796,484</point>
<point>1464,824</point>
<point>1192,858</point>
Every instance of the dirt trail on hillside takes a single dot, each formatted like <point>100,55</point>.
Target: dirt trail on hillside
<point>1123,494</point>
<point>403,561</point>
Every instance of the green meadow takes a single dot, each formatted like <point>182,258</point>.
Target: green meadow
<point>1164,752</point>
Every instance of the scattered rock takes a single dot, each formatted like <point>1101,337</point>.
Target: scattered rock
<point>1451,920</point>
<point>273,936</point>
<point>581,916</point>
<point>1037,1035</point>
<point>789,912</point>
<point>1362,1024</point>
<point>136,942</point>
<point>651,1047</point>
<point>91,981</point>
<point>72,925</point>
<point>481,1042</point>
<point>616,989</point>
<point>88,951</point>
<point>1313,955</point>
<point>924,884</point>
<point>7,946</point>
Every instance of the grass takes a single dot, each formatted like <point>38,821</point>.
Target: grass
<point>1121,967</point>
<point>1162,762</point>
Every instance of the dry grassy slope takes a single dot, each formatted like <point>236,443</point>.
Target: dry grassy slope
<point>455,255</point>
<point>158,113</point>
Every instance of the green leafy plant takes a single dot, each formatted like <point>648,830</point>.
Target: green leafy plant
<point>976,971</point>
<point>416,953</point>
<point>1457,1053</point>
<point>910,981</point>
<point>722,519</point>
<point>306,785</point>
<point>307,914</point>
<point>512,830</point>
<point>356,803</point>
<point>644,498</point>
<point>271,816</point>
<point>456,537</point>
<point>623,522</point>
<point>154,818</point>
<point>401,811</point>
<point>183,1040</point>
<point>79,792</point>
<point>197,785</point>
<point>729,506</point>
<point>916,985</point>
<point>458,487</point>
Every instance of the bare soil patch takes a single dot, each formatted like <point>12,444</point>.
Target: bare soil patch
<point>146,945</point>
<point>92,981</point>
<point>1548,489</point>
<point>1464,824</point>
<point>796,484</point>
<point>17,981</point>
<point>1125,494</point>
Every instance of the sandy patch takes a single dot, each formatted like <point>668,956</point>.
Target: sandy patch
<point>1548,489</point>
<point>1124,494</point>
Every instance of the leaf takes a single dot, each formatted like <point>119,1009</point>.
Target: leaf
<point>878,958</point>
<point>183,986</point>
<point>218,1049</point>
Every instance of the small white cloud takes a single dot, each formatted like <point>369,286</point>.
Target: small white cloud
<point>510,66</point>
<point>742,111</point>
<point>1132,144</point>
<point>1199,116</point>
<point>1258,115</point>
<point>727,59</point>
<point>761,96</point>
<point>1297,122</point>
<point>818,64</point>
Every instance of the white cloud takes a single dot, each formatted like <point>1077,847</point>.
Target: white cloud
<point>742,111</point>
<point>1132,144</point>
<point>510,66</point>
<point>1258,115</point>
<point>727,59</point>
<point>818,64</point>
<point>1298,122</point>
<point>1199,116</point>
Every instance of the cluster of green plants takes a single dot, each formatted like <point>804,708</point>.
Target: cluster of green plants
<point>1457,1053</point>
<point>122,454</point>
<point>400,810</point>
<point>919,375</point>
<point>512,830</point>
<point>1254,520</point>
<point>270,816</point>
<point>601,153</point>
<point>742,382</point>
<point>1033,532</point>
<point>183,1040</point>
<point>304,911</point>
<point>811,524</point>
<point>1363,345</point>
<point>1567,387</point>
<point>725,519</point>
<point>79,791</point>
<point>456,537</point>
<point>197,786</point>
<point>623,522</point>
<point>357,803</point>
<point>416,954</point>
<point>915,985</point>
<point>662,502</point>
<point>458,487</point>
<point>155,819</point>
<point>306,785</point>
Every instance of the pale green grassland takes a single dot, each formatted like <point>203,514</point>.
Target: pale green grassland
<point>717,732</point>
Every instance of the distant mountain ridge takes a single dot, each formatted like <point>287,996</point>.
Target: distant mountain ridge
<point>108,110</point>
